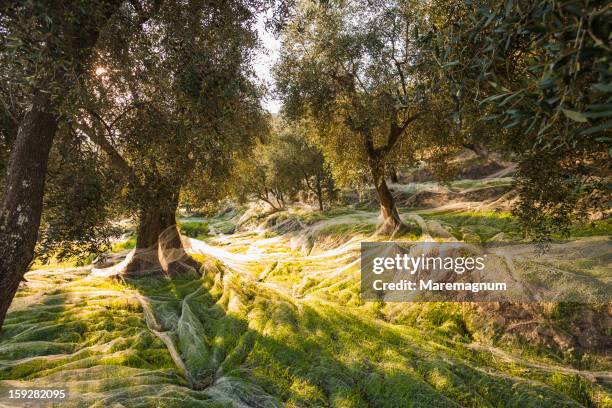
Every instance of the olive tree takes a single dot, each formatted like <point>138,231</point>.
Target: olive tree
<point>282,166</point>
<point>358,71</point>
<point>540,71</point>
<point>168,103</point>
<point>46,47</point>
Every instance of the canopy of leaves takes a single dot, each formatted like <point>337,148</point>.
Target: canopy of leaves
<point>175,97</point>
<point>284,166</point>
<point>542,70</point>
<point>82,202</point>
<point>358,71</point>
<point>167,97</point>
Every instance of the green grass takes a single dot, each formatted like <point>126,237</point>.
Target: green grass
<point>482,183</point>
<point>194,229</point>
<point>590,229</point>
<point>316,354</point>
<point>346,230</point>
<point>483,226</point>
<point>129,243</point>
<point>300,336</point>
<point>310,217</point>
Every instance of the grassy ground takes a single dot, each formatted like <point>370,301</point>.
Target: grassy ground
<point>245,341</point>
<point>276,320</point>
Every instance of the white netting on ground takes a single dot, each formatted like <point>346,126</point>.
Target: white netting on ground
<point>196,341</point>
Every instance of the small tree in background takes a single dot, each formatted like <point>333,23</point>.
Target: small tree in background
<point>303,164</point>
<point>281,167</point>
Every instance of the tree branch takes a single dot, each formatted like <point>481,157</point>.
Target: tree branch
<point>116,159</point>
<point>396,131</point>
<point>125,112</point>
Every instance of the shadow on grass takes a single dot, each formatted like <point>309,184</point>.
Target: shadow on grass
<point>244,343</point>
<point>67,329</point>
<point>251,345</point>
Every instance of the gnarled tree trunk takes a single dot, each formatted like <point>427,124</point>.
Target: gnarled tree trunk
<point>21,206</point>
<point>391,221</point>
<point>388,211</point>
<point>22,202</point>
<point>158,245</point>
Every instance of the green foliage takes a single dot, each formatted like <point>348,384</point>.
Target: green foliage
<point>563,311</point>
<point>575,386</point>
<point>194,229</point>
<point>284,167</point>
<point>589,229</point>
<point>185,127</point>
<point>79,204</point>
<point>45,47</point>
<point>39,50</point>
<point>129,243</point>
<point>484,225</point>
<point>346,230</point>
<point>540,70</point>
<point>445,318</point>
<point>356,73</point>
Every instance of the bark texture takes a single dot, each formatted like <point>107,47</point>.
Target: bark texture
<point>393,175</point>
<point>21,207</point>
<point>388,211</point>
<point>22,202</point>
<point>319,192</point>
<point>391,221</point>
<point>159,247</point>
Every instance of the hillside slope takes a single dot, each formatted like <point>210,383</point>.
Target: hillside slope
<point>276,320</point>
